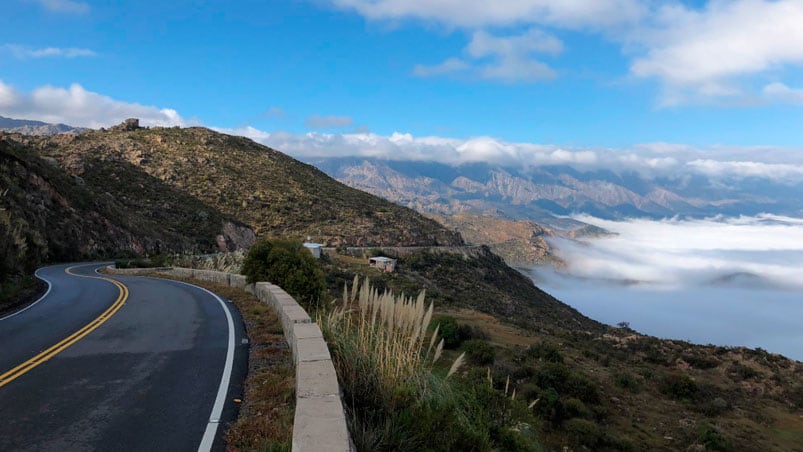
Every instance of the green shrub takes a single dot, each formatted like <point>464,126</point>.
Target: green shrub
<point>627,381</point>
<point>13,288</point>
<point>479,352</point>
<point>454,333</point>
<point>550,407</point>
<point>711,438</point>
<point>576,408</point>
<point>739,372</point>
<point>552,375</point>
<point>566,381</point>
<point>701,361</point>
<point>545,351</point>
<point>679,386</point>
<point>290,266</point>
<point>795,396</point>
<point>583,432</point>
<point>449,331</point>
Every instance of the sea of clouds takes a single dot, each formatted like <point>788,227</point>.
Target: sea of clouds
<point>726,281</point>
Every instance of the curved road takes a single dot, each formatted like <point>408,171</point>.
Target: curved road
<point>141,364</point>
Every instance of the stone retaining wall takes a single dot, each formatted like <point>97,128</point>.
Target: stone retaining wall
<point>320,422</point>
<point>403,251</point>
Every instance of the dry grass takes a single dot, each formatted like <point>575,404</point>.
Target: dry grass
<point>391,329</point>
<point>265,421</point>
<point>384,359</point>
<point>224,262</point>
<point>500,333</point>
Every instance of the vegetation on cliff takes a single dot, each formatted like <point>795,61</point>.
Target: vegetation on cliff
<point>136,191</point>
<point>270,192</point>
<point>595,386</point>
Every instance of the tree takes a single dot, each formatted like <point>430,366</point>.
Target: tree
<point>289,265</point>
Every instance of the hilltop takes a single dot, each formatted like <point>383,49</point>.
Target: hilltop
<point>134,191</point>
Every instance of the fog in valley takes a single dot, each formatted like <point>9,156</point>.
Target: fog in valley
<point>734,281</point>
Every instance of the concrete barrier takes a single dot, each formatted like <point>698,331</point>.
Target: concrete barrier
<point>320,421</point>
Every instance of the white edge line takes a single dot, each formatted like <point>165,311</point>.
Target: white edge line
<point>217,409</point>
<point>49,286</point>
<point>214,418</point>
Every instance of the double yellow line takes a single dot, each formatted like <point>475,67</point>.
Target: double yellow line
<point>54,350</point>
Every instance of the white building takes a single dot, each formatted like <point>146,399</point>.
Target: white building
<point>314,248</point>
<point>383,263</point>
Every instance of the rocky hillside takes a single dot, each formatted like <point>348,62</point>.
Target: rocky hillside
<point>520,243</point>
<point>138,191</point>
<point>49,215</point>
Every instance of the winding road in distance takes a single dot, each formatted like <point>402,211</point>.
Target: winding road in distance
<point>119,364</point>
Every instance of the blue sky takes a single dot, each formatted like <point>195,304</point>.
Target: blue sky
<point>580,74</point>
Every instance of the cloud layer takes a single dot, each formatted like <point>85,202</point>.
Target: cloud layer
<point>672,253</point>
<point>728,282</point>
<point>78,107</point>
<point>651,159</point>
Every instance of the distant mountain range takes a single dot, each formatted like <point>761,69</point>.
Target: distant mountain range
<point>549,193</point>
<point>28,127</point>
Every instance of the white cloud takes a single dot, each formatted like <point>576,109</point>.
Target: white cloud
<point>779,92</point>
<point>23,52</point>
<point>708,51</point>
<point>511,56</point>
<point>64,6</point>
<point>777,171</point>
<point>328,122</point>
<point>78,107</point>
<point>485,13</point>
<point>448,66</point>
<point>504,58</point>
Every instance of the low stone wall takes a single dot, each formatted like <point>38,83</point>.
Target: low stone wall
<point>320,422</point>
<point>403,251</point>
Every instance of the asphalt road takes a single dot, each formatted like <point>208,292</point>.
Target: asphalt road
<point>143,366</point>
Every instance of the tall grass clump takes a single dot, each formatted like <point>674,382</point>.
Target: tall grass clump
<point>397,393</point>
<point>386,336</point>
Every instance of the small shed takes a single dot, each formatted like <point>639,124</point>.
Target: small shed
<point>383,263</point>
<point>314,248</point>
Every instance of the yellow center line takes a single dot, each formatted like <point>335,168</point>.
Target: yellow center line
<point>57,348</point>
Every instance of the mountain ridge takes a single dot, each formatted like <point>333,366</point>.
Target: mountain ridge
<point>30,127</point>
